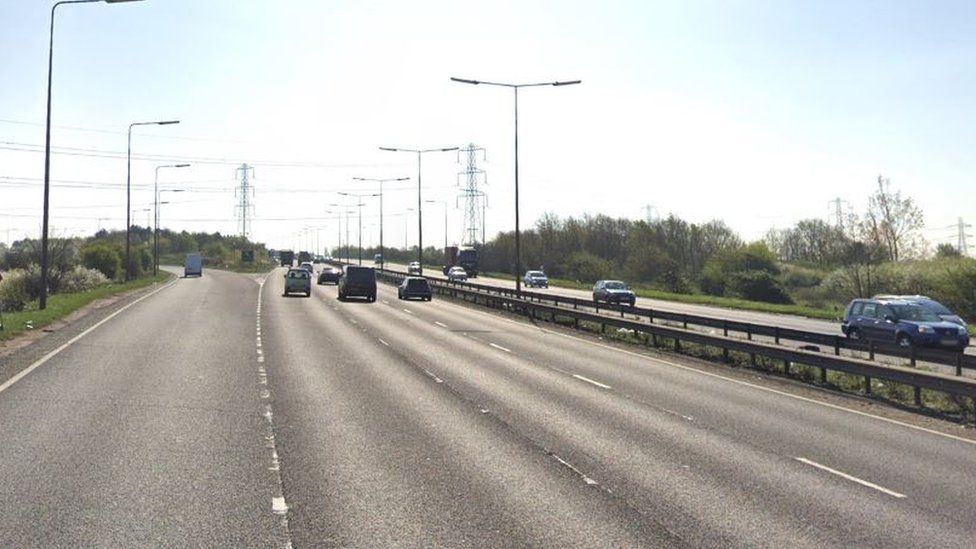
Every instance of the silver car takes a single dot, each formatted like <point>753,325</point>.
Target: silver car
<point>298,281</point>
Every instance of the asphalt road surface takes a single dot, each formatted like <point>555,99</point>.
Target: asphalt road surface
<point>216,412</point>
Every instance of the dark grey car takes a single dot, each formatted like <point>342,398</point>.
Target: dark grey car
<point>613,291</point>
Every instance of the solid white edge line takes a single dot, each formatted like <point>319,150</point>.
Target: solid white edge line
<point>744,383</point>
<point>37,363</point>
<point>500,347</point>
<point>588,380</point>
<point>851,478</point>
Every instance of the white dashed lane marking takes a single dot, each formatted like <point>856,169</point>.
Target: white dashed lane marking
<point>588,380</point>
<point>851,478</point>
<point>500,348</point>
<point>441,324</point>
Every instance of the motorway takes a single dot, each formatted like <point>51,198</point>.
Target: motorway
<point>216,412</point>
<point>739,315</point>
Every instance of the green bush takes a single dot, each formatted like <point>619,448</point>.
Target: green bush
<point>586,267</point>
<point>14,294</point>
<point>756,286</point>
<point>81,279</point>
<point>103,257</point>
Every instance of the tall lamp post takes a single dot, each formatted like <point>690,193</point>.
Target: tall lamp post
<point>128,190</point>
<point>444,203</point>
<point>347,212</point>
<point>359,203</point>
<point>159,203</point>
<point>381,181</point>
<point>420,216</point>
<point>156,214</point>
<point>42,302</point>
<point>406,228</point>
<point>515,88</point>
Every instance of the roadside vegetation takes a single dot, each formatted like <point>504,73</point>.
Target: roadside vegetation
<point>84,269</point>
<point>63,304</point>
<point>813,268</point>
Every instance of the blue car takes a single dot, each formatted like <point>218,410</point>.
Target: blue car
<point>902,322</point>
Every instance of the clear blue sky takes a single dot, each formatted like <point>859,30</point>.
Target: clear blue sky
<point>757,112</point>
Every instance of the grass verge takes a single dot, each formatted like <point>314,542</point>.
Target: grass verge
<point>62,305</point>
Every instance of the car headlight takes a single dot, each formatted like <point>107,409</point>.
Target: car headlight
<point>925,330</point>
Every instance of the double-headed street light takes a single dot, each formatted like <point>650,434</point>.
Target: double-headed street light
<point>42,302</point>
<point>515,88</point>
<point>128,188</point>
<point>381,181</point>
<point>359,203</point>
<point>420,201</point>
<point>347,212</point>
<point>156,214</point>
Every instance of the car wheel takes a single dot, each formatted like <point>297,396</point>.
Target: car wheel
<point>903,341</point>
<point>632,303</point>
<point>853,333</point>
<point>308,293</point>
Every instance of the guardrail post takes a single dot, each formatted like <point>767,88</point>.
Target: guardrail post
<point>918,396</point>
<point>870,350</point>
<point>749,332</point>
<point>677,345</point>
<point>959,363</point>
<point>837,345</point>
<point>867,385</point>
<point>786,367</point>
<point>752,359</point>
<point>654,340</point>
<point>823,375</point>
<point>650,316</point>
<point>621,312</point>
<point>725,355</point>
<point>776,334</point>
<point>912,357</point>
<point>725,328</point>
<point>685,321</point>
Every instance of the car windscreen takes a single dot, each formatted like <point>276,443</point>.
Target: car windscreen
<point>616,285</point>
<point>934,307</point>
<point>914,313</point>
<point>536,274</point>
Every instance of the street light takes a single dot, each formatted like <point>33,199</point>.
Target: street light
<point>42,302</point>
<point>159,203</point>
<point>347,212</point>
<point>406,230</point>
<point>156,214</point>
<point>128,182</point>
<point>420,216</point>
<point>359,199</point>
<point>381,181</point>
<point>444,202</point>
<point>515,88</point>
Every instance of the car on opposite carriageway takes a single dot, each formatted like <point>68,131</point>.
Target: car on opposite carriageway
<point>613,291</point>
<point>535,279</point>
<point>903,323</point>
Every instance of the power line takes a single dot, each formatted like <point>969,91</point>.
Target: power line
<point>103,153</point>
